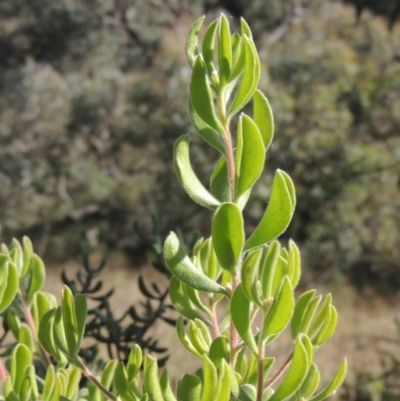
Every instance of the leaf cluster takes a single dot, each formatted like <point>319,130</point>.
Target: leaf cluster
<point>235,292</point>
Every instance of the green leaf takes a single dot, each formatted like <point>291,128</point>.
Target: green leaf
<point>210,380</point>
<point>281,311</point>
<point>9,283</point>
<point>184,338</point>
<point>201,96</point>
<point>294,263</point>
<point>224,50</point>
<point>245,29</point>
<point>187,176</point>
<point>192,47</point>
<point>228,235</point>
<point>205,131</point>
<point>70,327</point>
<point>42,303</point>
<point>208,46</point>
<point>80,305</point>
<point>189,388</point>
<point>25,390</point>
<point>166,388</point>
<point>250,161</point>
<point>268,263</point>
<point>238,57</point>
<point>223,390</point>
<point>299,312</point>
<point>333,385</point>
<point>181,301</point>
<point>121,384</point>
<point>321,317</point>
<point>209,263</point>
<point>46,335</point>
<point>134,362</point>
<point>48,383</point>
<point>38,277</point>
<point>108,372</point>
<point>220,185</point>
<point>309,313</point>
<point>59,332</point>
<point>263,117</point>
<point>197,339</point>
<point>25,337</point>
<point>27,252</point>
<point>240,312</point>
<point>298,370</point>
<point>250,272</point>
<point>278,214</point>
<point>328,328</point>
<point>219,350</point>
<point>17,255</point>
<point>151,381</point>
<point>182,267</point>
<point>21,359</point>
<point>74,377</point>
<point>250,78</point>
<point>247,393</point>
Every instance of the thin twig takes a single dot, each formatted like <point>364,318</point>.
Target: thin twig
<point>279,373</point>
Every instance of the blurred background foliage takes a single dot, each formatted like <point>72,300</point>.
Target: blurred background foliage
<point>93,94</point>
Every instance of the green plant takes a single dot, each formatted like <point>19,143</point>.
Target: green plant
<point>236,294</point>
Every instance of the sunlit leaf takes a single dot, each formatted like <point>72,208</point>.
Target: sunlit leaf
<point>228,235</point>
<point>209,134</point>
<point>263,118</point>
<point>278,214</point>
<point>220,185</point>
<point>224,50</point>
<point>333,385</point>
<point>9,283</point>
<point>297,371</point>
<point>192,47</point>
<point>252,155</point>
<point>208,46</point>
<point>187,176</point>
<point>281,311</point>
<point>182,267</point>
<point>249,273</point>
<point>250,78</point>
<point>240,313</point>
<point>37,278</point>
<point>299,312</point>
<point>210,380</point>
<point>166,388</point>
<point>151,381</point>
<point>189,388</point>
<point>201,96</point>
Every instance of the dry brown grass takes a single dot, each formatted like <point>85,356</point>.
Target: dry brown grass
<point>361,323</point>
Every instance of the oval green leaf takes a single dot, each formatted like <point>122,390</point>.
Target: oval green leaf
<point>187,176</point>
<point>278,214</point>
<point>252,155</point>
<point>192,42</point>
<point>333,385</point>
<point>182,267</point>
<point>205,131</point>
<point>281,311</point>
<point>201,96</point>
<point>263,117</point>
<point>250,78</point>
<point>228,235</point>
<point>240,312</point>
